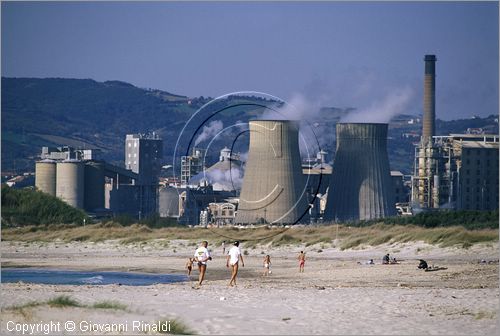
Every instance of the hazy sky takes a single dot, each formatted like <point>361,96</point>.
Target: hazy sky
<point>338,54</point>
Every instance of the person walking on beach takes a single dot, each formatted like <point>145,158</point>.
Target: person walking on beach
<point>233,258</point>
<point>302,261</point>
<point>202,255</point>
<point>267,265</point>
<point>223,247</point>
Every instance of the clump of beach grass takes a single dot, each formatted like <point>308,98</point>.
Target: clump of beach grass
<point>63,301</point>
<point>177,327</point>
<point>109,305</point>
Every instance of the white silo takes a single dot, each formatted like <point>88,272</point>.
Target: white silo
<point>360,186</point>
<point>45,176</point>
<point>273,184</point>
<point>70,182</point>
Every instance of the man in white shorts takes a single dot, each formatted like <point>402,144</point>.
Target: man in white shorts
<point>201,256</point>
<point>233,257</point>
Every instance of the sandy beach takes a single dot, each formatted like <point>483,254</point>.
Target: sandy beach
<point>338,294</point>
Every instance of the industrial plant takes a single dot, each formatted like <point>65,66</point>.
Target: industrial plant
<point>275,185</point>
<point>457,171</point>
<point>98,187</point>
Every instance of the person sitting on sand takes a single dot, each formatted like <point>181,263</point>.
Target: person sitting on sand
<point>302,261</point>
<point>202,255</point>
<point>370,262</point>
<point>423,264</point>
<point>233,257</point>
<point>267,265</point>
<point>189,265</point>
<point>394,261</point>
<point>386,259</point>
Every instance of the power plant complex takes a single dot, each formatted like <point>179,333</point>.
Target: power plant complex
<point>274,185</point>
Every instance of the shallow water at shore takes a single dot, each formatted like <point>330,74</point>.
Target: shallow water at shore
<point>71,277</point>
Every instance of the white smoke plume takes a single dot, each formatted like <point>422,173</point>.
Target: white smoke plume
<point>209,131</point>
<point>382,111</point>
<point>297,107</point>
<point>307,112</point>
<point>225,179</point>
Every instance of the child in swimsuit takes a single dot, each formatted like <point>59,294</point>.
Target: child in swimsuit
<point>302,261</point>
<point>267,265</point>
<point>189,265</point>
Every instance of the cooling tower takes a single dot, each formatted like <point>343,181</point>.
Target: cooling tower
<point>429,129</point>
<point>70,182</point>
<point>273,185</point>
<point>45,176</point>
<point>361,186</point>
<point>94,185</point>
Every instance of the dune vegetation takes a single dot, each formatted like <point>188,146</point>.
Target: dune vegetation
<point>341,236</point>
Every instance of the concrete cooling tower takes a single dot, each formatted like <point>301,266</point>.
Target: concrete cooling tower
<point>360,187</point>
<point>273,185</point>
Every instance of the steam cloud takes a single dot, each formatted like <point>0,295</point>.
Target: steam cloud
<point>309,114</point>
<point>209,131</point>
<point>225,179</point>
<point>382,111</point>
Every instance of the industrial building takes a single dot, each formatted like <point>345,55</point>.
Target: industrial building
<point>220,214</point>
<point>193,203</point>
<point>77,180</point>
<point>458,171</point>
<point>225,174</point>
<point>143,155</point>
<point>192,165</point>
<point>273,189</point>
<point>361,186</point>
<point>465,177</point>
<point>76,177</point>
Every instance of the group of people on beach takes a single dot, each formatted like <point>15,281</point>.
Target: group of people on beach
<point>233,259</point>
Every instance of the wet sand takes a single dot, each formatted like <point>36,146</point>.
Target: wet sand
<point>337,294</point>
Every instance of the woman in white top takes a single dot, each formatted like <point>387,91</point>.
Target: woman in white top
<point>233,257</point>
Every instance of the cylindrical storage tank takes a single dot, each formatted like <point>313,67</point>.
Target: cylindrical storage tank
<point>168,202</point>
<point>94,186</point>
<point>70,182</point>
<point>360,186</point>
<point>273,189</point>
<point>45,176</point>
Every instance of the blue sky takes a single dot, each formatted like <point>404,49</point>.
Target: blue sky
<point>344,54</point>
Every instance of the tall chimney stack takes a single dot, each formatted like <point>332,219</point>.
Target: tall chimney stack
<point>429,128</point>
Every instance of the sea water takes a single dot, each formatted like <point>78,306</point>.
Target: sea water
<point>69,277</point>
